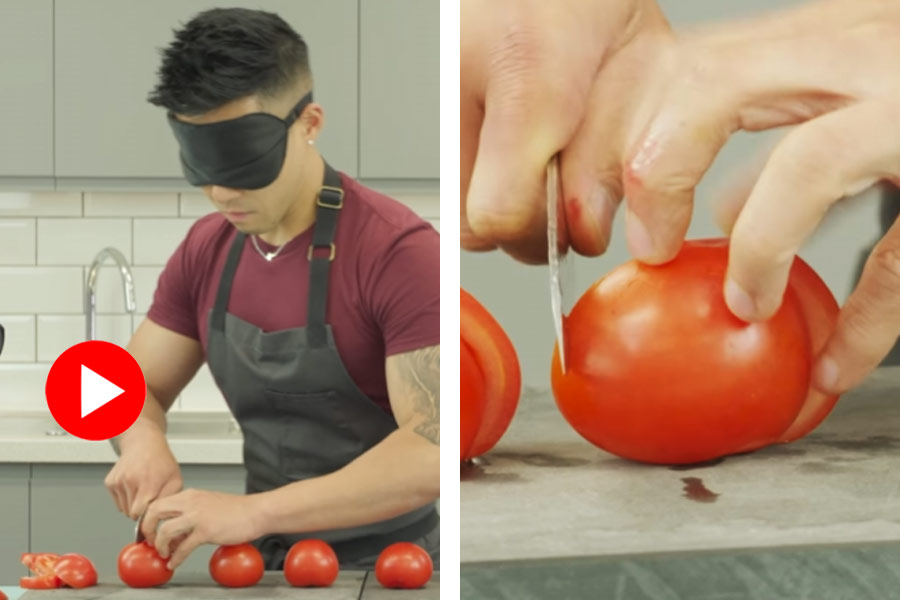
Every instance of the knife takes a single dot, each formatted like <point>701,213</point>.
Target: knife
<point>560,268</point>
<point>138,534</point>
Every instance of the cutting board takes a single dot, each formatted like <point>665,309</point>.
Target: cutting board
<point>201,587</point>
<point>372,590</point>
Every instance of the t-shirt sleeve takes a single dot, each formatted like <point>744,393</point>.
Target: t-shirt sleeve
<point>174,301</point>
<point>405,291</point>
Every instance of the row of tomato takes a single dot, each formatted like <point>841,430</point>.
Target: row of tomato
<point>309,563</point>
<point>658,369</point>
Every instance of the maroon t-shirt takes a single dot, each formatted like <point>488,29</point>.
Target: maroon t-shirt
<point>383,296</point>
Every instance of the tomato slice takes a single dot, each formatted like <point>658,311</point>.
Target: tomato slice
<point>821,311</point>
<point>42,564</point>
<point>471,399</point>
<point>499,364</point>
<point>76,571</point>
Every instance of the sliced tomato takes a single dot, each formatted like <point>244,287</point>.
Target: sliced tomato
<point>42,564</point>
<point>499,365</point>
<point>471,398</point>
<point>76,571</point>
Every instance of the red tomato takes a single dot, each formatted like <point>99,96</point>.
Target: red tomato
<point>403,565</point>
<point>3,596</point>
<point>311,563</point>
<point>76,571</point>
<point>140,566</point>
<point>42,565</point>
<point>471,398</point>
<point>239,565</point>
<point>821,310</point>
<point>658,369</point>
<point>496,357</point>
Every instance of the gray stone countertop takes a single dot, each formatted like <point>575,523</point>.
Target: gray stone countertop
<point>544,493</point>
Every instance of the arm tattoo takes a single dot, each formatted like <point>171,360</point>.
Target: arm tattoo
<point>420,378</point>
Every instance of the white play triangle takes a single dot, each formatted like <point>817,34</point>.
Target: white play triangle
<point>96,391</point>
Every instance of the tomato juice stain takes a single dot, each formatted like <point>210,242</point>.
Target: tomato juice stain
<point>696,491</point>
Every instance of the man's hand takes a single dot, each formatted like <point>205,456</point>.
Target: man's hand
<point>195,517</point>
<point>528,72</point>
<point>145,471</point>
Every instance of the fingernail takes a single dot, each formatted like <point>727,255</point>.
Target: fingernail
<point>826,374</point>
<point>739,301</point>
<point>638,238</point>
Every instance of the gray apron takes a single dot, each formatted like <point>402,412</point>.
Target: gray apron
<point>301,413</point>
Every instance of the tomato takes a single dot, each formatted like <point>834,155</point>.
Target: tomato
<point>821,310</point>
<point>499,366</point>
<point>239,565</point>
<point>141,566</point>
<point>52,571</point>
<point>3,596</point>
<point>311,563</point>
<point>76,571</point>
<point>403,565</point>
<point>471,398</point>
<point>659,370</point>
<point>42,565</point>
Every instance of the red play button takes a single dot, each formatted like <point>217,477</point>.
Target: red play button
<point>95,390</point>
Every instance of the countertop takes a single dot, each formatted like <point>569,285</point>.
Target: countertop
<point>195,438</point>
<point>546,494</point>
<point>350,585</point>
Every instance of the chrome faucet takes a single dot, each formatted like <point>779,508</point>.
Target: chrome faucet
<point>90,294</point>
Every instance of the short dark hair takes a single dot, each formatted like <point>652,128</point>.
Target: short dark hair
<point>224,54</point>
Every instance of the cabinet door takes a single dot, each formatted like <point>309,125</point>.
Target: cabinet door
<point>399,89</point>
<point>71,511</point>
<point>13,521</point>
<point>107,56</point>
<point>26,103</point>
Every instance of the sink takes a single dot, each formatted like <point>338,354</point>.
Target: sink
<point>180,425</point>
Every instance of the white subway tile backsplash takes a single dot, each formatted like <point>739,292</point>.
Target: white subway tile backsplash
<point>156,239</point>
<point>56,333</point>
<point>17,242</point>
<point>36,290</point>
<point>115,204</point>
<point>202,394</point>
<point>436,223</point>
<point>40,204</point>
<point>426,206</point>
<point>19,344</point>
<point>195,205</point>
<point>22,386</point>
<point>77,241</point>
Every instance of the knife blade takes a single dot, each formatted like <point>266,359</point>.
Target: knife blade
<point>138,534</point>
<point>560,267</point>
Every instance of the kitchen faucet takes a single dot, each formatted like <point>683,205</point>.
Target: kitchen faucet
<point>90,294</point>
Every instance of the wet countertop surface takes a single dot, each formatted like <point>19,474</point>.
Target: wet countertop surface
<point>545,498</point>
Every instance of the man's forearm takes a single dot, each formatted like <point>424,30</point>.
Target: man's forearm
<point>152,417</point>
<point>399,474</point>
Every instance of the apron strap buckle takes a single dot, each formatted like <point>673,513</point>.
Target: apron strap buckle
<point>309,255</point>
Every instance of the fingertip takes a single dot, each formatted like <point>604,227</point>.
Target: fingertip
<point>826,374</point>
<point>739,302</point>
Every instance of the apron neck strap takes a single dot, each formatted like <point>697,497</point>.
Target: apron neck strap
<point>321,252</point>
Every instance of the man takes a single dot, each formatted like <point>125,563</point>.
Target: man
<point>313,299</point>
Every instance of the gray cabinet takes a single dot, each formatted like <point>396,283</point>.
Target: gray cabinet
<point>26,102</point>
<point>71,511</point>
<point>106,60</point>
<point>13,520</point>
<point>399,89</point>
